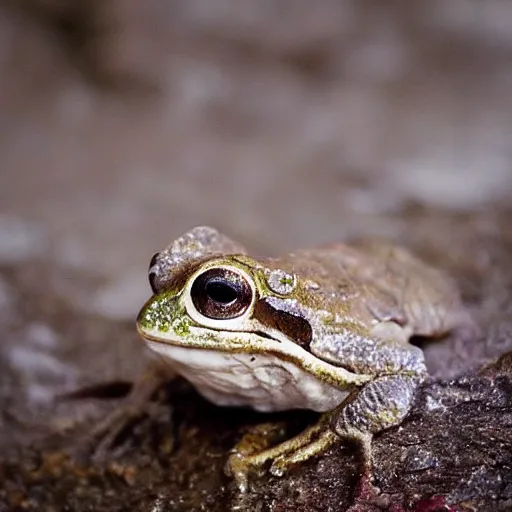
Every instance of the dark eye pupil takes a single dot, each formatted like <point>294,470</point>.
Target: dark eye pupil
<point>222,292</point>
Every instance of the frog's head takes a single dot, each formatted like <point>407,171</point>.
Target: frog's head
<point>209,294</point>
<point>239,328</point>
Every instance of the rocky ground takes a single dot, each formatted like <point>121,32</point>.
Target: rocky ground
<point>123,124</point>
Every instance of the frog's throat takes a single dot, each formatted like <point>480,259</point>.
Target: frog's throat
<point>254,343</point>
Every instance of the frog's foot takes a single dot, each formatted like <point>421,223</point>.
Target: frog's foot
<point>368,497</point>
<point>320,445</point>
<point>251,453</point>
<point>102,438</point>
<point>243,456</point>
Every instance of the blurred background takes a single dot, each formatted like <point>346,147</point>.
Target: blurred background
<point>125,123</point>
<point>283,123</point>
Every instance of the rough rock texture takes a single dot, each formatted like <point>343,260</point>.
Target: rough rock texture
<point>454,448</point>
<point>125,123</point>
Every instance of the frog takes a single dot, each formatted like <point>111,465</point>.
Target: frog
<point>326,329</point>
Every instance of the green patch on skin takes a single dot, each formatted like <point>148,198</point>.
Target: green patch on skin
<point>287,280</point>
<point>388,417</point>
<point>163,312</point>
<point>349,327</point>
<point>328,319</point>
<point>181,326</point>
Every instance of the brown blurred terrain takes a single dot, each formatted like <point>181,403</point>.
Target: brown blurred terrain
<point>284,124</point>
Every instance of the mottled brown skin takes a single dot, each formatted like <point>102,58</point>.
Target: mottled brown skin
<point>374,280</point>
<point>354,306</point>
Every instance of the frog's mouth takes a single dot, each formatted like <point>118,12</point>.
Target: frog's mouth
<point>216,339</point>
<point>251,343</point>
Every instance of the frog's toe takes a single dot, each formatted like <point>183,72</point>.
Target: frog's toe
<point>238,468</point>
<point>98,441</point>
<point>284,462</point>
<point>280,465</point>
<point>368,497</point>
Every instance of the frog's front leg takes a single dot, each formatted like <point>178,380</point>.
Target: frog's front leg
<point>380,404</point>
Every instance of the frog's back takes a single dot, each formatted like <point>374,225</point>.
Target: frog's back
<point>379,282</point>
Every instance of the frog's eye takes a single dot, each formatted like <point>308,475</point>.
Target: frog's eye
<point>152,273</point>
<point>221,294</point>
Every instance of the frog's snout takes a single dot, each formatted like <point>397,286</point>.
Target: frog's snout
<point>159,314</point>
<point>145,320</point>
